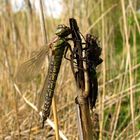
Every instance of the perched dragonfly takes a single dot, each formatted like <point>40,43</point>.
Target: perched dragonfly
<point>30,68</point>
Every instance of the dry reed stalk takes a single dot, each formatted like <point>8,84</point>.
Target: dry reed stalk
<point>55,118</point>
<point>102,96</point>
<point>135,16</point>
<point>42,23</point>
<point>72,8</point>
<point>129,66</point>
<point>30,22</point>
<point>118,108</point>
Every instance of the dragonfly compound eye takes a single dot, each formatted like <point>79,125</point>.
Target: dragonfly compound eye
<point>62,30</point>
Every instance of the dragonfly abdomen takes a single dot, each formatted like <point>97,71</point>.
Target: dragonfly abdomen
<point>54,68</point>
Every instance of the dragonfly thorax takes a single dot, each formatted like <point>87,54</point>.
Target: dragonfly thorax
<point>59,44</point>
<point>62,30</point>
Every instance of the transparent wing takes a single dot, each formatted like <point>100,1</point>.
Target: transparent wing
<point>29,69</point>
<point>41,97</point>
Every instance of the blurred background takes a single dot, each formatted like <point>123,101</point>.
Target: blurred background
<point>116,23</point>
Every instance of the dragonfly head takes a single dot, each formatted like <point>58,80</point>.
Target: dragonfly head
<point>62,30</point>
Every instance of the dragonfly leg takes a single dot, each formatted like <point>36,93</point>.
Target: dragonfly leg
<point>66,50</point>
<point>71,59</point>
<point>65,54</point>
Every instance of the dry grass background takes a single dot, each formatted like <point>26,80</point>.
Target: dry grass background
<point>117,25</point>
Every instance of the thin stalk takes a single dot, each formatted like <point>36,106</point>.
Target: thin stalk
<point>72,8</point>
<point>135,16</point>
<point>129,66</point>
<point>83,108</point>
<point>134,32</point>
<point>29,22</point>
<point>121,85</point>
<point>101,105</point>
<point>80,132</point>
<point>42,22</point>
<point>55,118</point>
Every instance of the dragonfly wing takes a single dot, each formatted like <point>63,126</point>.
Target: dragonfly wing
<point>29,69</point>
<point>41,97</point>
<point>43,92</point>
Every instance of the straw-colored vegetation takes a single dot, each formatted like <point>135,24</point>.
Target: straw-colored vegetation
<point>116,23</point>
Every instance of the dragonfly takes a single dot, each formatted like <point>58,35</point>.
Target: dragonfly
<point>31,67</point>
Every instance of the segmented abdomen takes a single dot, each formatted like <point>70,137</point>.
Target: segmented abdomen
<point>50,82</point>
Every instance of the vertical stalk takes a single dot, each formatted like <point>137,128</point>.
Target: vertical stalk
<point>104,74</point>
<point>135,16</point>
<point>85,118</point>
<point>134,33</point>
<point>29,22</point>
<point>129,66</point>
<point>81,100</point>
<point>55,118</point>
<point>72,8</point>
<point>42,22</point>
